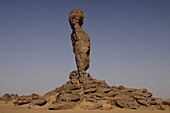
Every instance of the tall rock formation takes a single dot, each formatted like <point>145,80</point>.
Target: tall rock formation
<point>80,41</point>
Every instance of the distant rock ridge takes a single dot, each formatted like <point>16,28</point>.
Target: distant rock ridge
<point>88,93</point>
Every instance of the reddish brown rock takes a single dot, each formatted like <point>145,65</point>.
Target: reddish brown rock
<point>22,100</point>
<point>96,106</point>
<point>9,97</point>
<point>85,107</point>
<point>39,102</point>
<point>61,106</point>
<point>80,41</point>
<point>106,108</point>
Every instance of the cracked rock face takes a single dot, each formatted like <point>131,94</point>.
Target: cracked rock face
<point>91,94</point>
<point>102,96</point>
<point>80,41</point>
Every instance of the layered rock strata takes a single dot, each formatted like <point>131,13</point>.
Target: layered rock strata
<point>88,93</point>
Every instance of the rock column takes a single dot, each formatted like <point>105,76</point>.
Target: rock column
<point>80,41</point>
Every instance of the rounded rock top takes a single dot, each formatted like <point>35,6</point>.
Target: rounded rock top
<point>76,16</point>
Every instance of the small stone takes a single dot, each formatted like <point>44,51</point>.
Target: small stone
<point>88,98</point>
<point>73,75</point>
<point>85,107</point>
<point>96,106</point>
<point>106,108</point>
<point>143,102</point>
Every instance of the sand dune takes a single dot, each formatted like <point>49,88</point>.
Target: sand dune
<point>9,108</point>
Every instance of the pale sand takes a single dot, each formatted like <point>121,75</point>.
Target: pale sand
<point>8,108</point>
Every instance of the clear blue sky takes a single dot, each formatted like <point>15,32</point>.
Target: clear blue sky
<point>130,44</point>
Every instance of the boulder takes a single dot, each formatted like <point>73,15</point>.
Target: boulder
<point>22,100</point>
<point>88,86</point>
<point>143,102</point>
<point>121,87</point>
<point>9,97</point>
<point>161,107</point>
<point>138,97</point>
<point>96,106</point>
<point>73,75</point>
<point>90,99</point>
<point>69,97</point>
<point>85,107</point>
<point>142,92</point>
<point>156,102</point>
<point>106,108</point>
<point>39,102</point>
<point>91,90</point>
<point>166,102</point>
<point>61,106</point>
<point>107,90</point>
<point>74,87</point>
<point>35,96</point>
<point>129,103</point>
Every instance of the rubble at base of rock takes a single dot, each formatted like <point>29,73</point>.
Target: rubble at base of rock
<point>96,92</point>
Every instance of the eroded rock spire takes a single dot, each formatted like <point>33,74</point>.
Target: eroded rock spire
<point>80,41</point>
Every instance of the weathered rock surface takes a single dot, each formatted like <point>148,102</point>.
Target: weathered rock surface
<point>96,92</point>
<point>85,106</point>
<point>8,97</point>
<point>22,100</point>
<point>80,41</point>
<point>106,108</point>
<point>33,99</point>
<point>96,106</point>
<point>61,106</point>
<point>39,102</point>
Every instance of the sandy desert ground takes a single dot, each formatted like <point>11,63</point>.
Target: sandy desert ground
<point>9,108</point>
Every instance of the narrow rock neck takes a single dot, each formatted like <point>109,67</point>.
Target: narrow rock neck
<point>77,28</point>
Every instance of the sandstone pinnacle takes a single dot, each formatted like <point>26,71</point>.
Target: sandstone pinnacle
<point>80,41</point>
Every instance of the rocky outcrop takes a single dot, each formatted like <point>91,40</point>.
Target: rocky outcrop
<point>22,100</point>
<point>8,98</point>
<point>102,96</point>
<point>39,102</point>
<point>33,99</point>
<point>98,94</point>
